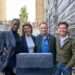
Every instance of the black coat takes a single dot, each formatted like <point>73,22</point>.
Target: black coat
<point>15,50</point>
<point>9,47</point>
<point>24,47</point>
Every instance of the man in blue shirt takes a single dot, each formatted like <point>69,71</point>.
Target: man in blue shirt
<point>45,42</point>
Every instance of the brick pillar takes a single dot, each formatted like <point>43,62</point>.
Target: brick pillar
<point>2,10</point>
<point>39,10</point>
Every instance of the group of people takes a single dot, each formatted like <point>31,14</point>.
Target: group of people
<point>62,46</point>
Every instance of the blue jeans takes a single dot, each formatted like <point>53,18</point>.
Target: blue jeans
<point>60,68</point>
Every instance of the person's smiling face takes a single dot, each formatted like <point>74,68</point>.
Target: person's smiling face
<point>44,29</point>
<point>62,30</point>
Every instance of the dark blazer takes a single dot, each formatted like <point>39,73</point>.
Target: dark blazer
<point>52,45</point>
<point>6,45</point>
<point>14,50</point>
<point>24,47</point>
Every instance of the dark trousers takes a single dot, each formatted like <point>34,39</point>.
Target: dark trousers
<point>61,68</point>
<point>8,71</point>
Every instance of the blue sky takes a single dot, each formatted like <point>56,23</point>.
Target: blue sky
<point>13,9</point>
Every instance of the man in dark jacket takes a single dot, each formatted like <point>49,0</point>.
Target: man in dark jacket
<point>45,42</point>
<point>12,59</point>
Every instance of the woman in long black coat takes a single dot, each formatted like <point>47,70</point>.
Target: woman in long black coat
<point>27,39</point>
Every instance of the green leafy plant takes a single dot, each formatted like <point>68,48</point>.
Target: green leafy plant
<point>23,15</point>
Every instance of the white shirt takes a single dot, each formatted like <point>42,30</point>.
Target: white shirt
<point>62,40</point>
<point>30,44</point>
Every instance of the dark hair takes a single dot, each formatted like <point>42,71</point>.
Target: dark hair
<point>27,24</point>
<point>17,20</point>
<point>65,23</point>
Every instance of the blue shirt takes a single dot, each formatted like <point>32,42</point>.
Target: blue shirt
<point>44,45</point>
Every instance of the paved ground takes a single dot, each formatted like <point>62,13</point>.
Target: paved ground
<point>1,74</point>
<point>73,73</point>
